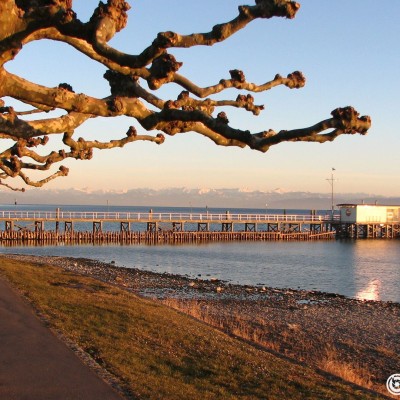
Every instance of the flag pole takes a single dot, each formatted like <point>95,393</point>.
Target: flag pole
<point>331,180</point>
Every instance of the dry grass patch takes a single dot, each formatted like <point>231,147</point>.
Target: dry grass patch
<point>257,332</point>
<point>347,371</point>
<point>159,353</point>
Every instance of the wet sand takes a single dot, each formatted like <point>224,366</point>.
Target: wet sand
<point>322,330</point>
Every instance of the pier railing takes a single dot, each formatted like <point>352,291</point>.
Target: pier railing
<point>157,217</point>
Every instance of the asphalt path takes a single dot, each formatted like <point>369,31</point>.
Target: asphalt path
<point>35,364</point>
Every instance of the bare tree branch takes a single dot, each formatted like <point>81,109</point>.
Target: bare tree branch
<point>194,110</point>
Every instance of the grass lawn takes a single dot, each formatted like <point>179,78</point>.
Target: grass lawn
<point>159,353</point>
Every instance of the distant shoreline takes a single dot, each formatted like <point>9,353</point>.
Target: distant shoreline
<point>199,198</point>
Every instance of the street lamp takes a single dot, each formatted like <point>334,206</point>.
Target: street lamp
<point>331,180</point>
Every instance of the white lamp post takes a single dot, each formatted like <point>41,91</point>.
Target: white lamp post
<point>331,180</point>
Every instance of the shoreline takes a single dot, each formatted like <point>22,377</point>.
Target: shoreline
<point>327,331</point>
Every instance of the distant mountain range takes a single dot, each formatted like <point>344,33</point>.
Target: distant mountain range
<point>183,197</point>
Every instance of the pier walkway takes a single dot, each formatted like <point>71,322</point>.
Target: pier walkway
<point>152,220</point>
<point>155,227</point>
<point>163,227</point>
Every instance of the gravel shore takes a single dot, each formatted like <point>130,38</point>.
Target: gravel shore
<point>356,339</point>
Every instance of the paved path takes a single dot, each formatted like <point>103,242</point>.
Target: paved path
<point>35,364</point>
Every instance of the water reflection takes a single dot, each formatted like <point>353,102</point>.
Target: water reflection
<point>376,272</point>
<point>371,291</point>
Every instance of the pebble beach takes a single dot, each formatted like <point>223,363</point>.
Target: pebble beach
<point>323,330</point>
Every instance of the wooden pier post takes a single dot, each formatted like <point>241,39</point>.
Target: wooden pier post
<point>250,227</point>
<point>9,225</point>
<point>203,227</point>
<point>178,226</point>
<point>125,226</point>
<point>39,226</point>
<point>227,226</point>
<point>97,227</point>
<point>69,227</point>
<point>152,227</point>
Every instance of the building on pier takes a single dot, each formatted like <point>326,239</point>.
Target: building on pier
<point>360,220</point>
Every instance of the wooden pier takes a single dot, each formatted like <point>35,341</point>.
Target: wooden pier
<point>156,228</point>
<point>52,227</point>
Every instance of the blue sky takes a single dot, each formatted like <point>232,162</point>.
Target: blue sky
<point>348,51</point>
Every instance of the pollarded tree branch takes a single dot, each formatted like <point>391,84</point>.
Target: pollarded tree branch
<point>127,85</point>
<point>61,172</point>
<point>11,187</point>
<point>194,110</point>
<point>295,80</point>
<point>13,165</point>
<point>112,17</point>
<point>185,102</point>
<point>18,128</point>
<point>344,121</point>
<point>63,98</point>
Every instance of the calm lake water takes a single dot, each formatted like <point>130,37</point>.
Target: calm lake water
<point>368,269</point>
